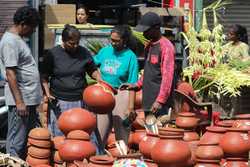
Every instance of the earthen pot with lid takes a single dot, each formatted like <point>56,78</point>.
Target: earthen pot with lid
<point>76,119</point>
<point>100,97</point>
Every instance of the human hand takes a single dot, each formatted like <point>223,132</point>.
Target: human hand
<point>156,106</point>
<point>21,109</point>
<point>127,86</point>
<point>132,115</point>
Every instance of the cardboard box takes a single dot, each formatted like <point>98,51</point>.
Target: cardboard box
<point>60,14</point>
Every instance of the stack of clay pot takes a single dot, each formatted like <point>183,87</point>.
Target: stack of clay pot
<point>39,147</point>
<point>77,146</point>
<point>188,121</point>
<point>57,143</point>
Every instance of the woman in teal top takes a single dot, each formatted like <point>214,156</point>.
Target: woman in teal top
<point>118,64</point>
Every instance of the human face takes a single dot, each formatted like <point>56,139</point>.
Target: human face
<point>232,36</point>
<point>71,45</point>
<point>81,16</point>
<point>27,30</point>
<point>117,41</point>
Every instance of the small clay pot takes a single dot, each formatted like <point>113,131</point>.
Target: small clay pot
<point>147,143</point>
<point>39,143</point>
<point>78,135</point>
<point>37,161</point>
<point>101,161</point>
<point>58,141</point>
<point>37,152</point>
<point>186,120</point>
<point>40,134</point>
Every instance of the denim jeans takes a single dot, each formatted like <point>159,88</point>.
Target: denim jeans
<point>18,129</point>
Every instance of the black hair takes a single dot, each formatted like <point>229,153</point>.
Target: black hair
<point>69,32</point>
<point>26,15</point>
<point>81,6</point>
<point>241,32</point>
<point>125,33</point>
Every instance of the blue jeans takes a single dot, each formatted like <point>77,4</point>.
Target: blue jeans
<point>18,129</point>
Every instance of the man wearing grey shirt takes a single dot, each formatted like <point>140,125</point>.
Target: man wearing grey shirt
<point>22,89</point>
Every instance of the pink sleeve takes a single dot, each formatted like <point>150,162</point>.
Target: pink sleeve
<point>167,70</point>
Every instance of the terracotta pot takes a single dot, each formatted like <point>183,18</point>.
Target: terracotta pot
<point>58,141</point>
<point>37,161</point>
<point>40,134</point>
<point>225,123</point>
<point>37,152</point>
<point>235,143</point>
<point>209,152</point>
<point>190,135</point>
<point>147,143</point>
<point>76,119</point>
<point>242,121</point>
<point>236,162</point>
<point>150,163</point>
<point>212,135</point>
<point>76,150</point>
<point>138,100</point>
<point>171,151</point>
<point>99,98</point>
<point>140,118</point>
<point>138,135</point>
<point>78,135</point>
<point>101,161</point>
<point>207,163</point>
<point>186,120</point>
<point>57,158</point>
<point>39,143</point>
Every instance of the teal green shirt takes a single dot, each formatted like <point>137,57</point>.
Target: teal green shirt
<point>117,67</point>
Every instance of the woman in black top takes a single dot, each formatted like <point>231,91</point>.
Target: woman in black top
<point>64,68</point>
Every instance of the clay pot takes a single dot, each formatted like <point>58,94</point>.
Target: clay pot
<point>147,143</point>
<point>207,163</point>
<point>39,143</point>
<point>225,123</point>
<point>76,150</point>
<point>242,121</point>
<point>209,152</point>
<point>99,98</point>
<point>235,143</point>
<point>190,135</point>
<point>58,141</point>
<point>138,135</point>
<point>37,152</point>
<point>57,158</point>
<point>150,163</point>
<point>37,161</point>
<point>212,135</point>
<point>100,161</point>
<point>138,99</point>
<point>76,119</point>
<point>186,120</point>
<point>78,135</point>
<point>235,162</point>
<point>171,151</point>
<point>40,134</point>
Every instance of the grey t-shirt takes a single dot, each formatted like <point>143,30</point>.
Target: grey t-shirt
<point>14,52</point>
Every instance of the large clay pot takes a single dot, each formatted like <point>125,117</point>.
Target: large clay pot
<point>39,143</point>
<point>242,121</point>
<point>138,100</point>
<point>210,151</point>
<point>171,151</point>
<point>58,141</point>
<point>39,152</point>
<point>39,134</point>
<point>76,150</point>
<point>99,98</point>
<point>212,135</point>
<point>207,163</point>
<point>37,161</point>
<point>186,120</point>
<point>76,119</point>
<point>147,143</point>
<point>235,162</point>
<point>235,143</point>
<point>100,161</point>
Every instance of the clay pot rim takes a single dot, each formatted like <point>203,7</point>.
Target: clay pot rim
<point>170,129</point>
<point>236,159</point>
<point>100,159</point>
<point>171,136</point>
<point>216,129</point>
<point>207,160</point>
<point>210,143</point>
<point>186,114</point>
<point>152,134</point>
<point>238,129</point>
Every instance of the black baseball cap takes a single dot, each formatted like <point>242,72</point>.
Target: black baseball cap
<point>147,21</point>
